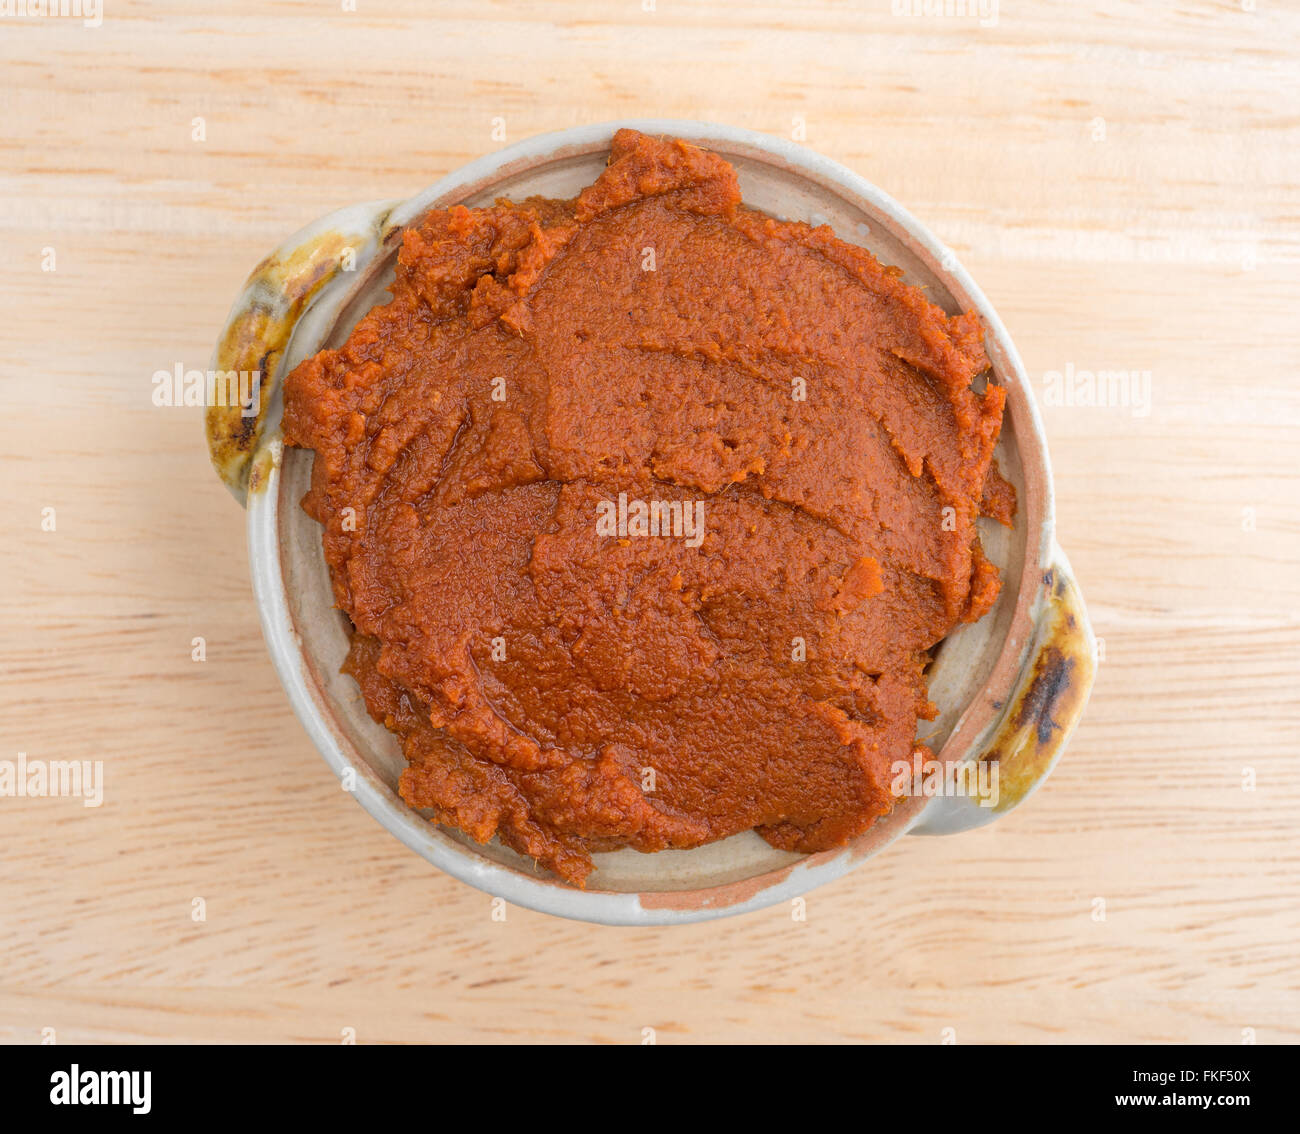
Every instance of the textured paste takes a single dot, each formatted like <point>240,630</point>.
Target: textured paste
<point>511,457</point>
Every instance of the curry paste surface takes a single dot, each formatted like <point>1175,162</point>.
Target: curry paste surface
<point>571,690</point>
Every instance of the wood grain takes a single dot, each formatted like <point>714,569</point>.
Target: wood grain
<point>1124,181</point>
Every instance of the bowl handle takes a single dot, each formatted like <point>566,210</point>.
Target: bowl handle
<point>1022,746</point>
<point>317,262</point>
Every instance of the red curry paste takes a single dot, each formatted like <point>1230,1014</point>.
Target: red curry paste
<point>571,687</point>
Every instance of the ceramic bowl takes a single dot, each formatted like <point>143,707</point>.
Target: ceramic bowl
<point>1009,687</point>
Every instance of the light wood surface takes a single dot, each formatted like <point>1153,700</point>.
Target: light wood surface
<point>1166,242</point>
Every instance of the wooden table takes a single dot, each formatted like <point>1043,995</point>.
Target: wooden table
<point>1121,179</point>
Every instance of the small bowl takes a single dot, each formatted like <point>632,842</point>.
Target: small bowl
<point>1009,687</point>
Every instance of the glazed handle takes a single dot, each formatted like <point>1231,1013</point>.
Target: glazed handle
<point>313,269</point>
<point>1049,696</point>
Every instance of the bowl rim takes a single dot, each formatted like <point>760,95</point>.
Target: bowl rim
<point>301,680</point>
